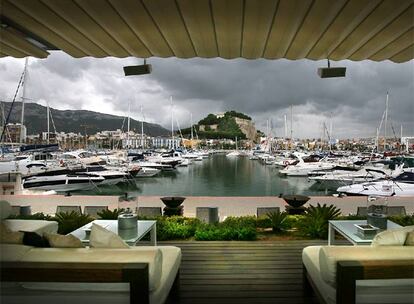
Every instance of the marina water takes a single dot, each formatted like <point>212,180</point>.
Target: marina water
<point>217,176</point>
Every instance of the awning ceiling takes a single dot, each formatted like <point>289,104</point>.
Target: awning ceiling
<point>292,29</point>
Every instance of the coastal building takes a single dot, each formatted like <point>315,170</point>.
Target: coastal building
<point>15,133</point>
<point>165,142</point>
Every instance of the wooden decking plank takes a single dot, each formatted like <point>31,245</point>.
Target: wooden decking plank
<point>242,272</point>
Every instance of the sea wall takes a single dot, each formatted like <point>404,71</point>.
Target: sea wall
<point>228,206</point>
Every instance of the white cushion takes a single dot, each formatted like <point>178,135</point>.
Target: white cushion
<point>103,238</point>
<point>63,241</point>
<point>37,226</point>
<point>147,254</point>
<point>310,258</point>
<point>330,255</point>
<point>392,237</point>
<point>10,237</point>
<point>5,209</point>
<point>409,241</point>
<point>13,252</point>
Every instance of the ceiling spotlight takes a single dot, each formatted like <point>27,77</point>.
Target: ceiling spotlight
<point>138,69</point>
<point>331,72</point>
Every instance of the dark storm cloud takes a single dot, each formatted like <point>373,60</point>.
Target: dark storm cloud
<point>263,89</point>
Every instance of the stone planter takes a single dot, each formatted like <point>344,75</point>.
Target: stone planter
<point>295,203</point>
<point>173,205</point>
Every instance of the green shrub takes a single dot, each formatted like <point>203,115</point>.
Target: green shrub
<point>70,221</point>
<point>263,222</point>
<point>176,227</point>
<point>36,216</point>
<point>293,221</point>
<point>239,221</point>
<point>107,214</point>
<point>403,220</point>
<point>315,222</point>
<point>223,233</point>
<point>352,217</point>
<point>277,220</point>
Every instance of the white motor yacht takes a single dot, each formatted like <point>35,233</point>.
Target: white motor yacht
<point>62,183</point>
<point>402,185</point>
<point>233,154</point>
<point>303,168</point>
<point>147,172</point>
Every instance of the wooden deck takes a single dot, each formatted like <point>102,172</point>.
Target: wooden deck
<point>242,272</point>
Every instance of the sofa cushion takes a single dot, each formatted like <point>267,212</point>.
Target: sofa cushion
<point>35,240</point>
<point>63,241</point>
<point>10,237</point>
<point>150,255</point>
<point>38,226</point>
<point>409,241</point>
<point>13,252</point>
<point>103,238</point>
<point>392,237</point>
<point>330,255</point>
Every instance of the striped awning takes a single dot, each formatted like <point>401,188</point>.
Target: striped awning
<point>272,29</point>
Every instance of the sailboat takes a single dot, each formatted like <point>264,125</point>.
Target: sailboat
<point>234,153</point>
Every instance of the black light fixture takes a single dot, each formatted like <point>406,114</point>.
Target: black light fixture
<point>138,69</point>
<point>331,72</point>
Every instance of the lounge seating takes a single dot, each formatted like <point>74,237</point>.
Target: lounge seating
<point>207,215</point>
<point>76,209</point>
<point>132,273</point>
<point>92,211</point>
<point>149,211</point>
<point>392,210</point>
<point>360,274</point>
<point>264,211</point>
<point>144,274</point>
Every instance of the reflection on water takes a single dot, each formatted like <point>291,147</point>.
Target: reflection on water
<point>218,176</point>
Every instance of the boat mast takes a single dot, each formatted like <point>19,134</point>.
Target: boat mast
<point>129,122</point>
<point>142,129</point>
<point>23,97</point>
<point>286,144</point>
<point>291,125</point>
<point>172,123</point>
<point>48,123</point>
<point>385,123</point>
<point>191,127</point>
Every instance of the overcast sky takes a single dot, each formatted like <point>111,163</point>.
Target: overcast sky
<point>263,89</point>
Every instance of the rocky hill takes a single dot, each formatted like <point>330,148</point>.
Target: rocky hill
<point>226,125</point>
<point>75,120</point>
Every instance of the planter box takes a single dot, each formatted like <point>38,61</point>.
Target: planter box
<point>366,231</point>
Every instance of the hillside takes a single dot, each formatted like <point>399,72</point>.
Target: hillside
<point>75,120</point>
<point>228,125</point>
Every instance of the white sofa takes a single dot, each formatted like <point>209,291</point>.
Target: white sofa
<point>380,273</point>
<point>163,263</point>
<point>160,270</point>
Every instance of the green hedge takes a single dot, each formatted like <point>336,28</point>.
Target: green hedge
<point>313,224</point>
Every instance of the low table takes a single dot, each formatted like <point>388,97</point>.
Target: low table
<point>130,237</point>
<point>348,230</point>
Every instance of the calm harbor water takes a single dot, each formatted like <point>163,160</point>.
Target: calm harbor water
<point>218,176</point>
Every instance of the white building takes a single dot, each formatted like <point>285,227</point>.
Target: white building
<point>166,142</point>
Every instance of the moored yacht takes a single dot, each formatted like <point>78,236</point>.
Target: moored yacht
<point>62,183</point>
<point>402,185</point>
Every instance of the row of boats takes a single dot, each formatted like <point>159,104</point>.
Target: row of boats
<point>349,174</point>
<point>84,170</point>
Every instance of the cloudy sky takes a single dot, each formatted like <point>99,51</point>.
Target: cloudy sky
<point>263,89</point>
